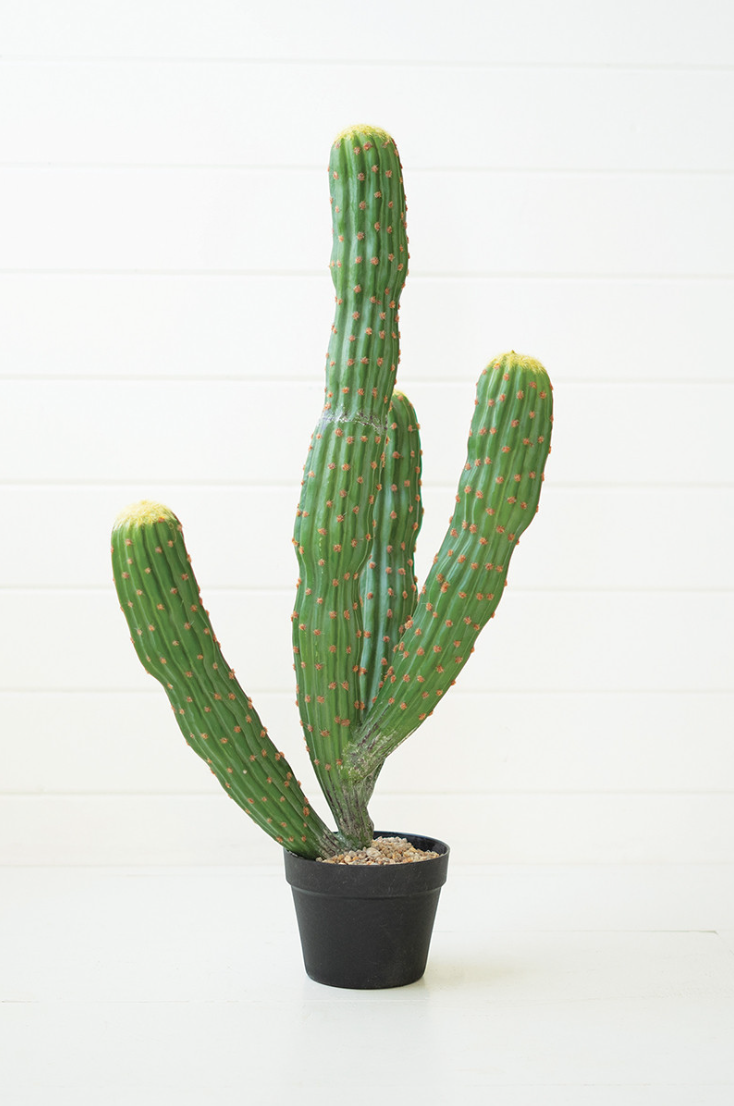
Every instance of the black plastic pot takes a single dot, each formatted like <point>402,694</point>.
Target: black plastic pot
<point>367,926</point>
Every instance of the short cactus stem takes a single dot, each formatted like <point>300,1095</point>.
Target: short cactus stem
<point>497,498</point>
<point>176,644</point>
<point>388,583</point>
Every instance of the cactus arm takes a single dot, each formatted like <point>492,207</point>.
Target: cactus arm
<point>335,518</point>
<point>388,583</point>
<point>175,643</point>
<point>497,498</point>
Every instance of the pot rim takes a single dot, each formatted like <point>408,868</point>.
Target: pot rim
<point>371,880</point>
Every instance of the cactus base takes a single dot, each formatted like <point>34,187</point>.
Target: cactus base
<point>366,927</point>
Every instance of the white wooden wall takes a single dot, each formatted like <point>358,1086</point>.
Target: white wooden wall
<point>164,311</point>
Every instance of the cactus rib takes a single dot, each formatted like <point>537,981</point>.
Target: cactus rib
<point>175,642</point>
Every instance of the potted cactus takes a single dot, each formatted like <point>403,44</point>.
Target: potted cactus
<point>373,656</point>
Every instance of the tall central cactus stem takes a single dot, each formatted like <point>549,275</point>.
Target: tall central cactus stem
<point>336,518</point>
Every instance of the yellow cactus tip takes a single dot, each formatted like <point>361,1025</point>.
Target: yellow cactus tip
<point>521,360</point>
<point>144,513</point>
<point>363,130</point>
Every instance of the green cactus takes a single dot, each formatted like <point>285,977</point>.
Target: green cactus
<point>372,658</point>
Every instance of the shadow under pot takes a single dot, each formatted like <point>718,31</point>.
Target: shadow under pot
<point>367,926</point>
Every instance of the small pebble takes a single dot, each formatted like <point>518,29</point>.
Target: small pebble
<point>383,850</point>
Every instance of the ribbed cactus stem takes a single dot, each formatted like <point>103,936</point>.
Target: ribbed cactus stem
<point>497,498</point>
<point>335,518</point>
<point>175,643</point>
<point>388,583</point>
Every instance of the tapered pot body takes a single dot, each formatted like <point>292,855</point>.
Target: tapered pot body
<point>367,926</point>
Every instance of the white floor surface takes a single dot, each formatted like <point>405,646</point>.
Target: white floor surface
<point>546,986</point>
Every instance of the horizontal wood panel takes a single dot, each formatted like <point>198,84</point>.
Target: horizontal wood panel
<point>600,829</point>
<point>127,743</point>
<point>193,114</point>
<point>237,219</point>
<point>198,326</point>
<point>497,829</point>
<point>418,30</point>
<point>573,742</point>
<point>543,641</point>
<point>154,433</point>
<point>583,538</point>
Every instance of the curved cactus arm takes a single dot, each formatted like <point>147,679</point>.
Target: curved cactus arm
<point>335,518</point>
<point>497,498</point>
<point>175,643</point>
<point>388,583</point>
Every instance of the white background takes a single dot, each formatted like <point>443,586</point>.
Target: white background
<point>165,306</point>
